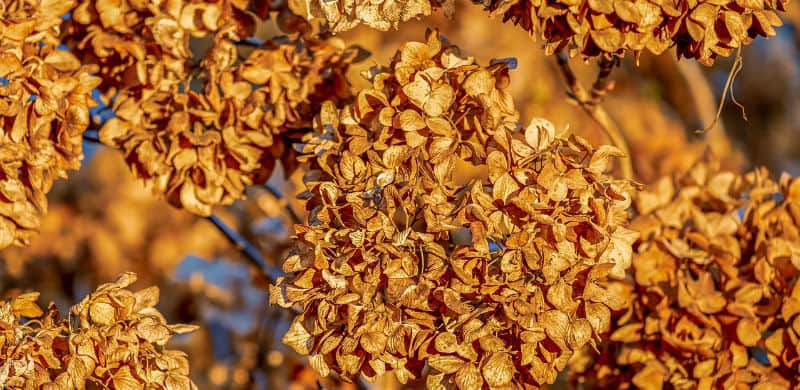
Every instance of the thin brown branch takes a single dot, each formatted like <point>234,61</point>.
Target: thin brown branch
<point>360,385</point>
<point>592,107</point>
<point>91,135</point>
<point>728,88</point>
<point>289,210</point>
<point>602,84</point>
<point>251,253</point>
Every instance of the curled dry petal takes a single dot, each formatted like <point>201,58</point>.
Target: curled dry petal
<point>201,149</point>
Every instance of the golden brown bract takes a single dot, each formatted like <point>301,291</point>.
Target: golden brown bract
<point>701,29</point>
<point>113,337</point>
<point>45,95</point>
<point>492,282</point>
<point>714,282</point>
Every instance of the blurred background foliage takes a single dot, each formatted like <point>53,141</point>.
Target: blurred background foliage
<point>102,222</point>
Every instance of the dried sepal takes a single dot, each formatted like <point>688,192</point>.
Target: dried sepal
<point>199,131</point>
<point>144,45</point>
<point>202,148</point>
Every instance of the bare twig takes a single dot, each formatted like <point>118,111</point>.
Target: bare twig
<point>737,66</point>
<point>360,385</point>
<point>602,84</point>
<point>251,253</point>
<point>289,210</point>
<point>588,102</point>
<point>91,136</point>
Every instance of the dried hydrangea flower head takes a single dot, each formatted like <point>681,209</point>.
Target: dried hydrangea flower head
<point>45,95</point>
<point>144,45</point>
<point>343,15</point>
<point>201,148</point>
<point>199,131</point>
<point>494,282</point>
<point>715,287</point>
<point>115,337</point>
<point>701,29</point>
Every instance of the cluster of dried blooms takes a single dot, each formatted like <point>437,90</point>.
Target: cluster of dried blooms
<point>99,225</point>
<point>200,130</point>
<point>142,47</point>
<point>112,338</point>
<point>45,95</point>
<point>714,284</point>
<point>496,282</point>
<point>343,15</point>
<point>701,29</point>
<point>202,148</point>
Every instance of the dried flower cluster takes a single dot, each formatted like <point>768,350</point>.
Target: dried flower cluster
<point>142,47</point>
<point>202,148</point>
<point>200,131</point>
<point>44,109</point>
<point>495,282</point>
<point>343,15</point>
<point>113,338</point>
<point>715,293</point>
<point>701,29</point>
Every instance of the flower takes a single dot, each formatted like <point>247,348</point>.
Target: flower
<point>44,109</point>
<point>201,148</point>
<point>114,336</point>
<point>343,15</point>
<point>714,287</point>
<point>495,281</point>
<point>702,30</point>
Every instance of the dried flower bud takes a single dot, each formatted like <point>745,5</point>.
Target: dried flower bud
<point>715,287</point>
<point>699,29</point>
<point>495,282</point>
<point>45,95</point>
<point>113,336</point>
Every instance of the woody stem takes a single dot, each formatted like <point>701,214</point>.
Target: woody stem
<point>251,253</point>
<point>91,136</point>
<point>289,210</point>
<point>589,102</point>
